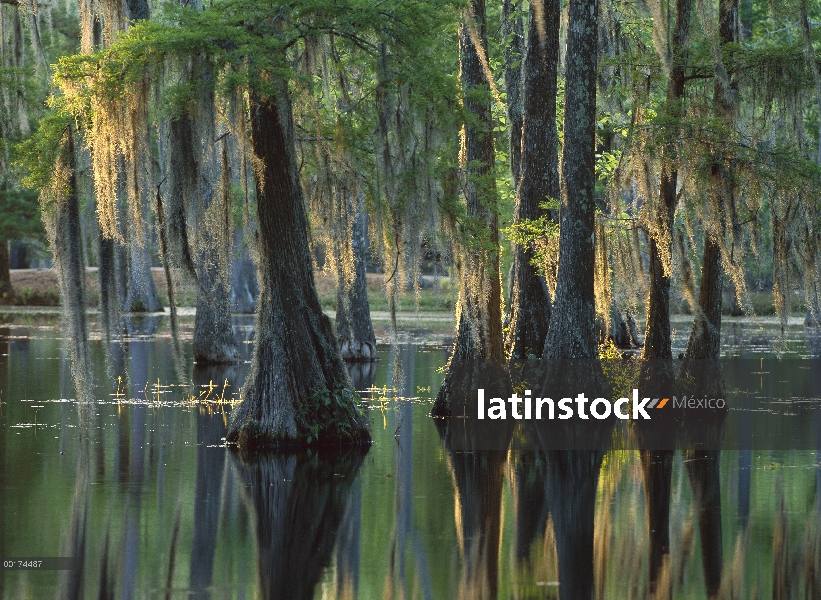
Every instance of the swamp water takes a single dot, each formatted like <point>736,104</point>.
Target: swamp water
<point>139,489</point>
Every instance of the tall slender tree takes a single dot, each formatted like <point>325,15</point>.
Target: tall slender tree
<point>529,298</point>
<point>479,319</point>
<point>571,323</point>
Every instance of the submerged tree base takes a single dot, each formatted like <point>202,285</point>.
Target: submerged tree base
<point>463,379</point>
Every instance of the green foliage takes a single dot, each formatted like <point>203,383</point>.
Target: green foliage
<point>38,154</point>
<point>330,416</point>
<point>19,215</point>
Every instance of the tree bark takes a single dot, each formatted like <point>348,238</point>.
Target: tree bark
<point>66,244</point>
<point>513,35</point>
<point>529,298</point>
<point>479,313</point>
<point>657,343</point>
<point>354,329</point>
<point>296,360</point>
<point>571,333</point>
<point>705,337</point>
<point>214,341</point>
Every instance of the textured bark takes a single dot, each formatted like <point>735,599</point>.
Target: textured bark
<point>354,330</point>
<point>295,354</point>
<point>529,299</point>
<point>705,337</point>
<point>110,285</point>
<point>141,292</point>
<point>68,255</point>
<point>513,35</point>
<point>479,324</point>
<point>571,333</point>
<point>657,344</point>
<point>213,332</point>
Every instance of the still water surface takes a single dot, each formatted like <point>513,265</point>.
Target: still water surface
<point>138,487</point>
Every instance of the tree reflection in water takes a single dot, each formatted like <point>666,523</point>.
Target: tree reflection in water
<point>298,501</point>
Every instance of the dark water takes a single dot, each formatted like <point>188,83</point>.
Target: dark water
<point>138,488</point>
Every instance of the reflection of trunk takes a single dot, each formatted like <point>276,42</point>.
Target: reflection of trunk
<point>478,479</point>
<point>298,503</point>
<point>479,327</point>
<point>571,323</point>
<point>657,468</point>
<point>295,354</point>
<point>657,336</point>
<point>210,466</point>
<point>529,501</point>
<point>244,288</point>
<point>403,532</point>
<point>529,300</point>
<point>703,471</point>
<point>138,354</point>
<point>572,478</point>
<point>354,330</point>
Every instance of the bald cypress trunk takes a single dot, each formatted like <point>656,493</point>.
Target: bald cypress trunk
<point>513,33</point>
<point>571,332</point>
<point>479,326</point>
<point>213,332</point>
<point>657,344</point>
<point>297,390</point>
<point>354,329</point>
<point>705,337</point>
<point>63,223</point>
<point>529,299</point>
<point>478,349</point>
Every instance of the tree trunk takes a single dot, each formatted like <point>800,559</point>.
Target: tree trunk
<point>705,337</point>
<point>571,332</point>
<point>296,364</point>
<point>657,344</point>
<point>354,330</point>
<point>66,244</point>
<point>529,299</point>
<point>141,295</point>
<point>213,332</point>
<point>109,280</point>
<point>5,269</point>
<point>513,35</point>
<point>244,288</point>
<point>479,322</point>
<point>214,341</point>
